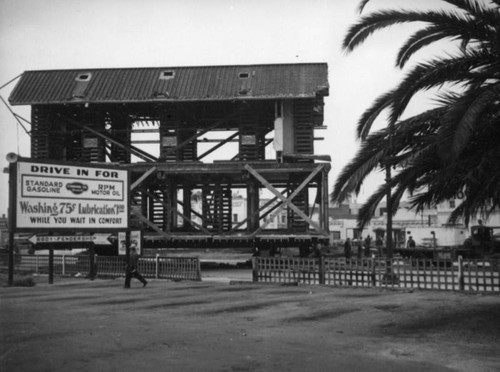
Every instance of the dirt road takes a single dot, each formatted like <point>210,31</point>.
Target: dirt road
<point>80,325</point>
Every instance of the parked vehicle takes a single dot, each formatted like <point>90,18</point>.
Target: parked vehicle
<point>484,241</point>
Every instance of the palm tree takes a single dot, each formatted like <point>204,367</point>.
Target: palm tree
<point>452,148</point>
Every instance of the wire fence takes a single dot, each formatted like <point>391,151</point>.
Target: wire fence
<point>477,275</point>
<point>177,268</point>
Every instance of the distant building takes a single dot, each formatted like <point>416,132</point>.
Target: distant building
<point>406,222</point>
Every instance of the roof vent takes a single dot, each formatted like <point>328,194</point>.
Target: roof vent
<point>81,85</point>
<point>167,74</point>
<point>84,76</point>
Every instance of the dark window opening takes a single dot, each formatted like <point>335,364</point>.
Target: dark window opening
<point>243,75</point>
<point>169,74</point>
<point>279,107</point>
<point>84,77</point>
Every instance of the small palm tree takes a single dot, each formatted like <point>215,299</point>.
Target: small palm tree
<point>450,149</point>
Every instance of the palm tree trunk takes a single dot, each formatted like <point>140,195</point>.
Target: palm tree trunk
<point>389,212</point>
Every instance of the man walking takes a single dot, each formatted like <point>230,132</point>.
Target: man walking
<point>131,269</point>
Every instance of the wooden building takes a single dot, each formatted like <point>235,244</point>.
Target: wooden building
<point>97,116</point>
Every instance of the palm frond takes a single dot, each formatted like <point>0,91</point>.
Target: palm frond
<point>379,20</point>
<point>421,39</point>
<point>368,209</point>
<point>375,150</point>
<point>362,5</point>
<point>442,151</point>
<point>368,117</point>
<point>469,119</point>
<point>435,73</point>
<point>352,176</point>
<point>479,9</point>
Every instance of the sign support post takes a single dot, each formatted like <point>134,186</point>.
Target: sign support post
<point>51,264</point>
<point>92,271</point>
<point>12,211</point>
<point>127,247</point>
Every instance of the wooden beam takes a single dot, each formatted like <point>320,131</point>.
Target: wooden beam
<point>177,212</point>
<point>149,223</point>
<point>307,156</point>
<point>143,177</point>
<point>220,144</point>
<point>192,210</point>
<point>128,148</point>
<point>215,125</point>
<point>324,199</point>
<point>254,214</point>
<point>185,218</point>
<point>287,201</point>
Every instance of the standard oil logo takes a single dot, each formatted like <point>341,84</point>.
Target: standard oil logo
<point>76,187</point>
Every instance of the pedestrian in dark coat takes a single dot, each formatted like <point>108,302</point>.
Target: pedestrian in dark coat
<point>348,248</point>
<point>368,243</point>
<point>131,269</point>
<point>360,248</point>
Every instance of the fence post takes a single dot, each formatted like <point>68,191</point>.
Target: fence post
<point>255,269</point>
<point>157,269</point>
<point>63,265</point>
<point>198,269</point>
<point>36,264</point>
<point>461,284</point>
<point>51,264</point>
<point>321,262</point>
<point>373,273</point>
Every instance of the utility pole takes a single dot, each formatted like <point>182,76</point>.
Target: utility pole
<point>389,276</point>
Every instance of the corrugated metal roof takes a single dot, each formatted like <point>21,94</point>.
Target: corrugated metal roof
<point>171,84</point>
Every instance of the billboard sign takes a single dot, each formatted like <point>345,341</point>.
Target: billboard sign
<point>58,196</point>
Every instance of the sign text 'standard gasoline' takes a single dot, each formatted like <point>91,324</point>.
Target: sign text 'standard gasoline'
<point>63,196</point>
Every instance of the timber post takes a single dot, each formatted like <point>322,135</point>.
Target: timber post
<point>321,264</point>
<point>51,264</point>
<point>255,270</point>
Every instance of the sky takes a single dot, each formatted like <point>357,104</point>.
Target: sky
<point>73,34</point>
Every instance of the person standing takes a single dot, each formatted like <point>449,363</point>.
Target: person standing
<point>368,243</point>
<point>131,269</point>
<point>316,252</point>
<point>360,247</point>
<point>348,248</point>
<point>379,243</point>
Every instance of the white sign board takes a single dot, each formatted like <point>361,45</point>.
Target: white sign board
<point>77,197</point>
<point>101,239</point>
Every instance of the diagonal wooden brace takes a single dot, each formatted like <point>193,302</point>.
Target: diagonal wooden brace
<point>149,223</point>
<point>152,195</point>
<point>287,201</point>
<point>143,177</point>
